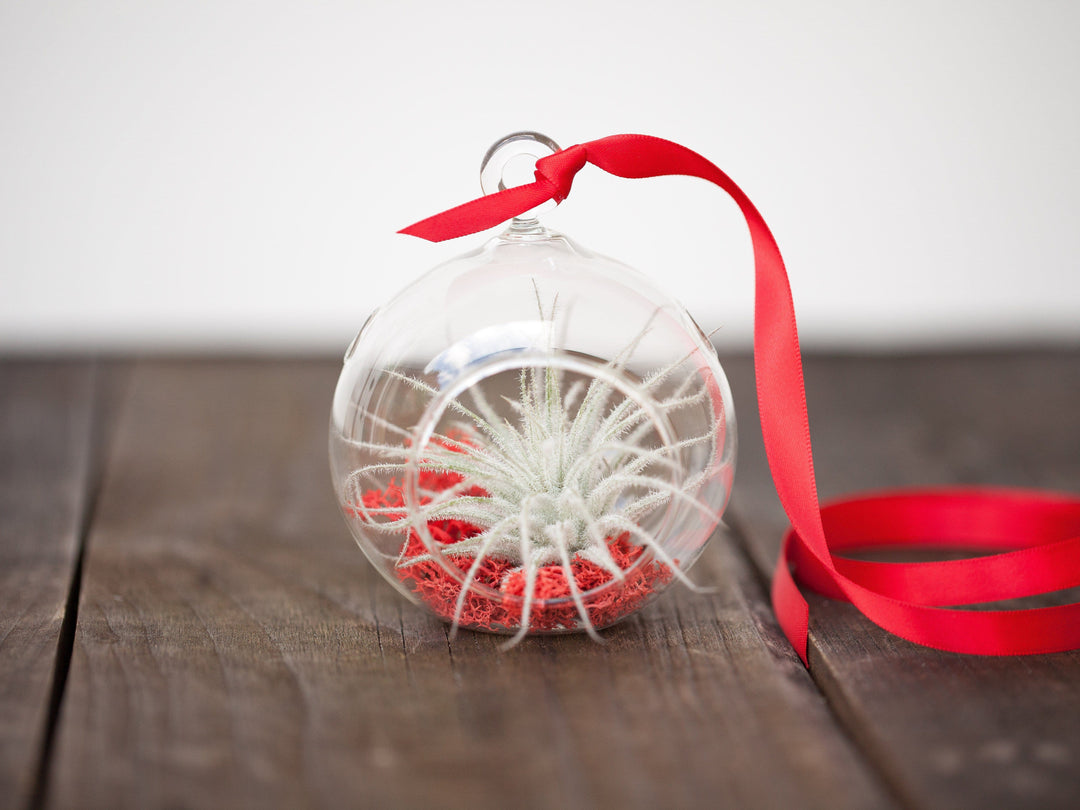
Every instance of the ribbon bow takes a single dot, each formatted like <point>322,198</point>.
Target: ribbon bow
<point>1037,534</point>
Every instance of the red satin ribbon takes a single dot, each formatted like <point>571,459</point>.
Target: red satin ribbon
<point>1038,534</point>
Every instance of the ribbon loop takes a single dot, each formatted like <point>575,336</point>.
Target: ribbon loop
<point>1036,535</point>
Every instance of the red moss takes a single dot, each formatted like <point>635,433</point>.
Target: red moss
<point>604,608</point>
<point>550,584</point>
<point>552,608</point>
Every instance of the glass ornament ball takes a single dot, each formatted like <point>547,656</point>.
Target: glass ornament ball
<point>531,438</point>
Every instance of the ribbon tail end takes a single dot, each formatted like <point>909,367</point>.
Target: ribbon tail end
<point>792,611</point>
<point>419,232</point>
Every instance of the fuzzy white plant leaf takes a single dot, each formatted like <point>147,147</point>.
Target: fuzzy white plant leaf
<point>562,471</point>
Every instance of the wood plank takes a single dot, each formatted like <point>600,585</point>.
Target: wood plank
<point>46,434</point>
<point>235,649</point>
<point>945,730</point>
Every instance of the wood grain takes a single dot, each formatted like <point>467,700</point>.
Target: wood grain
<point>46,435</point>
<point>235,649</point>
<point>944,730</point>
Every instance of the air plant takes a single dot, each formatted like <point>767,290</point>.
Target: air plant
<point>555,496</point>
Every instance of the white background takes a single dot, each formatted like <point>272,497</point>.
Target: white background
<point>190,176</point>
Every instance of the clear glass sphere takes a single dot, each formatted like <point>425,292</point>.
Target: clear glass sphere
<point>532,438</point>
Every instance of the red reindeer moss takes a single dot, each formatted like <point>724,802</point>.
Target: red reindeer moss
<point>552,609</point>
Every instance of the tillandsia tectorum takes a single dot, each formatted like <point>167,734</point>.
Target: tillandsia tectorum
<point>546,513</point>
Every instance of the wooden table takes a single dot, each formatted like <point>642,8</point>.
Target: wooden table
<point>186,622</point>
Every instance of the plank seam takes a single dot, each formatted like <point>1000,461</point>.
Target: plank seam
<point>65,643</point>
<point>841,718</point>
